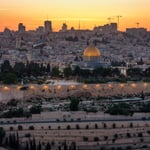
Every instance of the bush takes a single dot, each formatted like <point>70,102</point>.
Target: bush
<point>49,127</point>
<point>85,138</point>
<point>140,134</point>
<point>116,136</point>
<point>128,135</point>
<point>74,104</point>
<point>120,109</point>
<point>36,109</point>
<point>131,125</point>
<point>27,135</point>
<point>68,127</point>
<point>77,126</point>
<point>87,126</point>
<point>11,128</point>
<point>96,139</point>
<point>104,125</point>
<point>148,131</point>
<point>20,127</point>
<point>114,125</point>
<point>96,126</point>
<point>31,127</point>
<point>105,138</point>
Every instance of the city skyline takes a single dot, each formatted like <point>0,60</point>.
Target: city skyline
<point>88,13</point>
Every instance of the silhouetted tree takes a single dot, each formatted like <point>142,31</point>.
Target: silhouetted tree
<point>2,134</point>
<point>67,72</point>
<point>19,69</point>
<point>6,67</point>
<point>74,104</point>
<point>48,147</point>
<point>26,146</point>
<point>55,72</point>
<point>39,146</point>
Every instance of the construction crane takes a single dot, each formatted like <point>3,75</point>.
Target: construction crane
<point>118,19</point>
<point>109,19</point>
<point>137,24</point>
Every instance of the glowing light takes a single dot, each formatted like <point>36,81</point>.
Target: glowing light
<point>145,84</point>
<point>45,87</point>
<point>122,85</point>
<point>19,87</point>
<point>97,86</point>
<point>110,85</point>
<point>32,87</point>
<point>6,88</point>
<point>72,87</point>
<point>133,85</point>
<point>59,87</point>
<point>85,86</point>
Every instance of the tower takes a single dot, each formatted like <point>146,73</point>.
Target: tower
<point>21,28</point>
<point>47,26</point>
<point>18,42</point>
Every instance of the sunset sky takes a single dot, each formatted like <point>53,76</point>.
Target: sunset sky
<point>32,13</point>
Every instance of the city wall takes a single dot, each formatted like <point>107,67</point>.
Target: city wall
<point>61,91</point>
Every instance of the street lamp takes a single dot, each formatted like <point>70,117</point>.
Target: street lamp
<point>97,86</point>
<point>85,86</point>
<point>72,87</point>
<point>6,88</point>
<point>122,87</point>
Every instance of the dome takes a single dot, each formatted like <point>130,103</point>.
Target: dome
<point>91,51</point>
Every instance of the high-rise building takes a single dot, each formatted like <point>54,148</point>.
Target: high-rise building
<point>21,28</point>
<point>40,29</point>
<point>47,26</point>
<point>64,27</point>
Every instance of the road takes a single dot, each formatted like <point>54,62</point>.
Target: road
<point>69,121</point>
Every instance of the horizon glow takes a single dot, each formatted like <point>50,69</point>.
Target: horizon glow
<point>89,13</point>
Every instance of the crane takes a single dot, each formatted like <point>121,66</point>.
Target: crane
<point>137,24</point>
<point>118,19</point>
<point>109,19</point>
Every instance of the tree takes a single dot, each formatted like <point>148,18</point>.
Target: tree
<point>96,126</point>
<point>74,104</point>
<point>131,125</point>
<point>39,146</point>
<point>20,127</point>
<point>67,72</point>
<point>114,125</point>
<point>55,72</point>
<point>120,109</point>
<point>6,67</point>
<point>27,146</point>
<point>11,128</point>
<point>48,68</point>
<point>72,146</point>
<point>128,135</point>
<point>36,109</point>
<point>77,126</point>
<point>105,125</point>
<point>19,69</point>
<point>48,146</point>
<point>87,126</point>
<point>9,78</point>
<point>2,135</point>
<point>134,72</point>
<point>31,127</point>
<point>68,127</point>
<point>96,139</point>
<point>85,138</point>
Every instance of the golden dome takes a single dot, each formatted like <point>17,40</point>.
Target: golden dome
<point>91,51</point>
